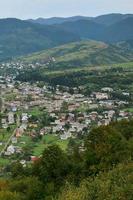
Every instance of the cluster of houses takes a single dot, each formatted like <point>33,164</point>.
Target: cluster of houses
<point>16,66</point>
<point>73,114</point>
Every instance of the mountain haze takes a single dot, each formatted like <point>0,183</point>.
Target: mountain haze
<point>111,19</point>
<point>107,19</point>
<point>57,20</point>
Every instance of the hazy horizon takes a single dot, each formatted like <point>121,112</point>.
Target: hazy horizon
<point>63,16</point>
<point>24,9</point>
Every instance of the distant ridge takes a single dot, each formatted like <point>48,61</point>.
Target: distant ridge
<point>18,37</point>
<point>111,19</point>
<point>58,20</point>
<point>107,19</point>
<point>88,29</point>
<point>22,37</point>
<point>120,31</point>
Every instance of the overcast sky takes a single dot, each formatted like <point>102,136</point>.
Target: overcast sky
<point>48,8</point>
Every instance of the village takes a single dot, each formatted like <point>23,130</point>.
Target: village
<point>32,117</point>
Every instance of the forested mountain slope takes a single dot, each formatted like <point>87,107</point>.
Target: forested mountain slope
<point>19,37</point>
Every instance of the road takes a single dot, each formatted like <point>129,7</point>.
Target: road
<point>9,140</point>
<point>7,143</point>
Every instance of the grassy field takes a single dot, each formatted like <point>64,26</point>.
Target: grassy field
<point>38,147</point>
<point>4,162</point>
<point>124,65</point>
<point>35,111</point>
<point>49,140</point>
<point>129,109</point>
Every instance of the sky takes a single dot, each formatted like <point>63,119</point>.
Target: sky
<point>25,9</point>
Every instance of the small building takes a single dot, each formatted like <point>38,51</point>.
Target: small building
<point>10,150</point>
<point>11,118</point>
<point>14,140</point>
<point>100,95</point>
<point>65,136</point>
<point>107,89</point>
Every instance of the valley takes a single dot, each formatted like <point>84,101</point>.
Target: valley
<point>55,106</point>
<point>66,107</point>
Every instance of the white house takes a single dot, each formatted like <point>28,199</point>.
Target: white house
<point>11,118</point>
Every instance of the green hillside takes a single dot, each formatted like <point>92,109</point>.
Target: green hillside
<point>19,37</point>
<point>88,63</point>
<point>114,32</point>
<point>120,31</point>
<point>84,54</point>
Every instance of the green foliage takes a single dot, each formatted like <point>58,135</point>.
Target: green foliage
<point>53,165</point>
<point>125,127</point>
<point>64,106</point>
<point>30,188</point>
<point>116,184</point>
<point>103,170</point>
<point>105,147</point>
<point>7,195</point>
<point>87,71</point>
<point>45,119</point>
<point>17,170</point>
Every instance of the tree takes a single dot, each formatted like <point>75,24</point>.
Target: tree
<point>105,147</point>
<point>29,98</point>
<point>54,165</point>
<point>44,119</point>
<point>17,170</point>
<point>64,107</point>
<point>29,187</point>
<point>7,195</point>
<point>115,184</point>
<point>8,129</point>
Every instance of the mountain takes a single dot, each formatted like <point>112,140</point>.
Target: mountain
<point>87,29</point>
<point>107,28</point>
<point>19,37</point>
<point>84,28</point>
<point>84,54</point>
<point>107,19</point>
<point>119,31</point>
<point>57,20</point>
<point>111,19</point>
